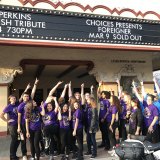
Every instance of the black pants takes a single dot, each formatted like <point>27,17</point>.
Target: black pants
<point>104,131</point>
<point>91,139</point>
<point>79,138</point>
<point>65,141</point>
<point>152,137</point>
<point>34,139</point>
<point>122,129</point>
<point>72,145</point>
<point>52,132</point>
<point>23,142</point>
<point>111,134</point>
<point>14,141</point>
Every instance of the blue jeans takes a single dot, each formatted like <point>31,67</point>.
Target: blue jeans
<point>91,139</point>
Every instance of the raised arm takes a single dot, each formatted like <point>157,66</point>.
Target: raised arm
<point>54,88</point>
<point>136,92</point>
<point>59,114</point>
<point>69,90</point>
<point>91,91</point>
<point>99,89</point>
<point>143,90</point>
<point>56,104</point>
<point>82,94</point>
<point>34,88</point>
<point>26,89</point>
<point>64,91</point>
<point>119,89</point>
<point>156,85</point>
<point>43,110</point>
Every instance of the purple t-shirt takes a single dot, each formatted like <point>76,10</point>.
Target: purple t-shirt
<point>77,114</point>
<point>104,105</point>
<point>149,113</point>
<point>111,110</point>
<point>35,119</point>
<point>21,109</point>
<point>65,123</point>
<point>52,120</point>
<point>12,112</point>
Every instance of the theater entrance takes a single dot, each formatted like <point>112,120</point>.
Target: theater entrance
<point>49,72</point>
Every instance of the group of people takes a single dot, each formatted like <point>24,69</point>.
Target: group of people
<point>58,124</point>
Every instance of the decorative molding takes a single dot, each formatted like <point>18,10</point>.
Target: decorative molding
<point>88,7</point>
<point>7,75</point>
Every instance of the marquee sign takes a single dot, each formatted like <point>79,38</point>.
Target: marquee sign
<point>32,24</point>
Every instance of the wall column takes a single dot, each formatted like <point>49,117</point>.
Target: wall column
<point>3,103</point>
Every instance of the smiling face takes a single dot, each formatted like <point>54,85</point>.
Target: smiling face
<point>77,95</point>
<point>65,108</point>
<point>49,107</point>
<point>12,100</point>
<point>149,100</point>
<point>25,97</point>
<point>87,96</point>
<point>76,105</point>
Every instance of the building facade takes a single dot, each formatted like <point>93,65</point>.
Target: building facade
<point>79,41</point>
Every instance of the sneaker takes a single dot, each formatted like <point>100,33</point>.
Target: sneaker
<point>51,158</point>
<point>63,158</point>
<point>106,148</point>
<point>66,158</point>
<point>101,146</point>
<point>74,156</point>
<point>24,158</point>
<point>42,154</point>
<point>15,158</point>
<point>93,156</point>
<point>56,154</point>
<point>114,154</point>
<point>111,151</point>
<point>47,143</point>
<point>87,153</point>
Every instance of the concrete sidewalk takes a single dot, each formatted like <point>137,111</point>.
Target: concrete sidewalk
<point>4,151</point>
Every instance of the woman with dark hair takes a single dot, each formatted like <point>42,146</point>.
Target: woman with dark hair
<point>150,119</point>
<point>92,127</point>
<point>104,97</point>
<point>136,118</point>
<point>78,128</point>
<point>64,117</point>
<point>33,127</point>
<point>51,127</point>
<point>112,120</point>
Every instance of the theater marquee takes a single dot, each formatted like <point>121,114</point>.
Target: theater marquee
<point>38,25</point>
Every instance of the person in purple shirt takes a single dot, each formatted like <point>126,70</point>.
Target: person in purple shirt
<point>64,118</point>
<point>104,105</point>
<point>112,121</point>
<point>11,111</point>
<point>33,127</point>
<point>150,118</point>
<point>21,117</point>
<point>124,116</point>
<point>51,126</point>
<point>78,128</point>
